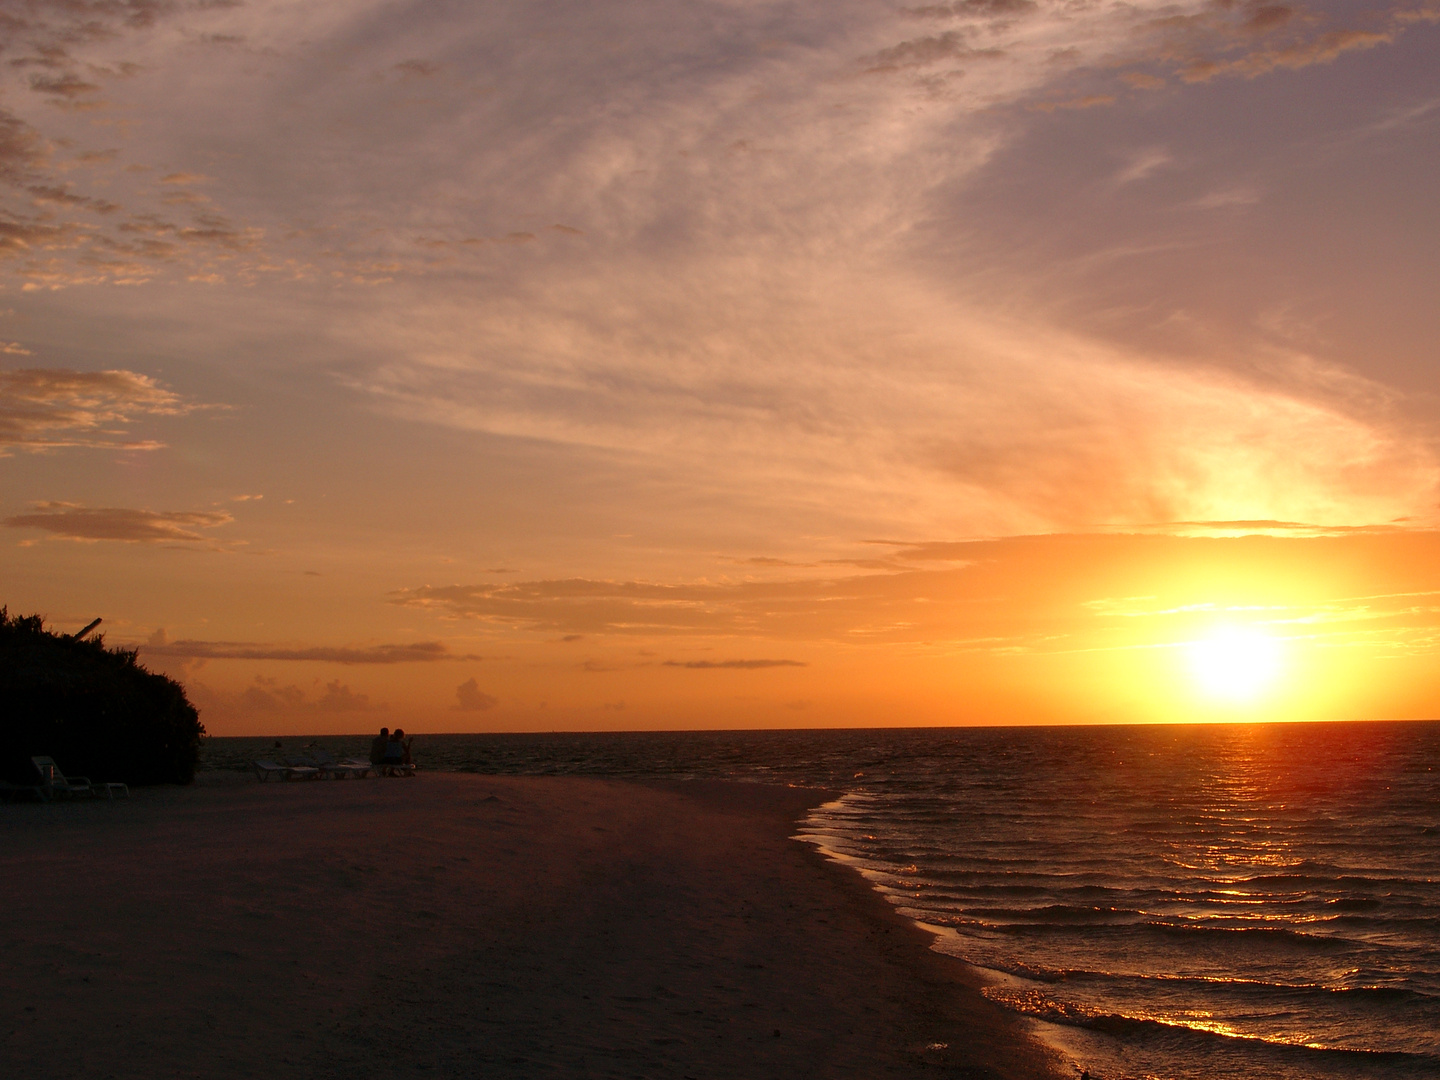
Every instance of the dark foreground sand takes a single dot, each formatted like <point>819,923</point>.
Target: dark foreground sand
<point>464,926</point>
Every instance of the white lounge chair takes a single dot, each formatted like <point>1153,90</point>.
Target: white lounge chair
<point>340,770</point>
<point>267,769</point>
<point>56,782</point>
<point>10,791</point>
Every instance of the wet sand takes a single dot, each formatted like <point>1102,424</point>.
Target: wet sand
<point>468,926</point>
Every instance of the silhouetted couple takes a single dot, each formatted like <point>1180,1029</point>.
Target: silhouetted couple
<point>387,751</point>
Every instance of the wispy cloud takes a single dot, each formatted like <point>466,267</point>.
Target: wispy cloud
<point>414,652</point>
<point>74,522</point>
<point>268,697</point>
<point>47,408</point>
<point>620,120</point>
<point>1044,593</point>
<point>738,665</point>
<point>1255,38</point>
<point>470,698</point>
<point>1144,164</point>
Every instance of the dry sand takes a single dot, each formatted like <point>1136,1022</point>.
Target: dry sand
<point>465,926</point>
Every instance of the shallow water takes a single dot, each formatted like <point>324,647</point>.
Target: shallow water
<point>1173,902</point>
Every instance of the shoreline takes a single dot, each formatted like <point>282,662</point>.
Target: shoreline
<point>514,926</point>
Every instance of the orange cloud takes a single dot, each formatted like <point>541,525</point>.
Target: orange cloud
<point>1320,50</point>
<point>74,522</point>
<point>470,698</point>
<point>732,665</point>
<point>1202,45</point>
<point>959,8</point>
<point>47,408</point>
<point>266,697</point>
<point>68,86</point>
<point>422,652</point>
<point>922,52</point>
<point>1020,593</point>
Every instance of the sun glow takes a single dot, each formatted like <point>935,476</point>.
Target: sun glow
<point>1235,664</point>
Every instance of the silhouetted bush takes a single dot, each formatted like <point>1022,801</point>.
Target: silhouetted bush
<point>95,710</point>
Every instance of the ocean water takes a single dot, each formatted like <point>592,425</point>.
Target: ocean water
<point>1168,902</point>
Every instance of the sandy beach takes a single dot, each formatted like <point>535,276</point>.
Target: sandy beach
<point>460,925</point>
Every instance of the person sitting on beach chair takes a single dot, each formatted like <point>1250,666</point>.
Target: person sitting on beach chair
<point>395,749</point>
<point>377,748</point>
<point>397,761</point>
<point>394,753</point>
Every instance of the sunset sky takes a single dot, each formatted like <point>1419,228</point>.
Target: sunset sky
<point>545,365</point>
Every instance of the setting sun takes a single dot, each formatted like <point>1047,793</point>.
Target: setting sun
<point>1235,664</point>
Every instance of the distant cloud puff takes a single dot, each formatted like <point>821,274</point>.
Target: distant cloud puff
<point>744,665</point>
<point>603,666</point>
<point>920,52</point>
<point>1321,50</point>
<point>1267,36</point>
<point>470,698</point>
<point>67,86</point>
<point>76,522</point>
<point>268,696</point>
<point>1144,164</point>
<point>46,408</point>
<point>415,68</point>
<point>1089,101</point>
<point>340,698</point>
<point>580,606</point>
<point>409,653</point>
<point>958,8</point>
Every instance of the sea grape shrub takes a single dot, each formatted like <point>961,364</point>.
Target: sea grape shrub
<point>95,710</point>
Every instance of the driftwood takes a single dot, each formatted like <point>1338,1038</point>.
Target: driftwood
<point>88,628</point>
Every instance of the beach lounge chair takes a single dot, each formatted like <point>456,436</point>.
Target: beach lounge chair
<point>340,770</point>
<point>325,765</point>
<point>265,770</point>
<point>56,783</point>
<point>10,791</point>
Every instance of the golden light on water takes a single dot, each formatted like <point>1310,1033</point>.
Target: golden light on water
<point>1235,664</point>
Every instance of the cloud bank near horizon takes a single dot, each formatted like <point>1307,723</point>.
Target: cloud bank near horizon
<point>1369,589</point>
<point>414,652</point>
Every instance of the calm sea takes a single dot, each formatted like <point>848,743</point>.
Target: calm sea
<point>1177,903</point>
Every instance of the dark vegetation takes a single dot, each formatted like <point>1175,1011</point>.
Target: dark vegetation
<point>96,711</point>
